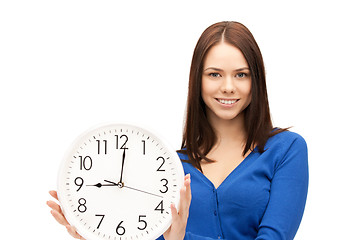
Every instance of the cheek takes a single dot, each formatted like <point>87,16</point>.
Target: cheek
<point>249,98</point>
<point>208,88</point>
<point>245,92</point>
<point>245,89</point>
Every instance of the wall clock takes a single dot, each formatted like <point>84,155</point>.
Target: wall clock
<point>117,182</point>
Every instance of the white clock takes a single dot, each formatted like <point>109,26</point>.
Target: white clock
<point>117,182</point>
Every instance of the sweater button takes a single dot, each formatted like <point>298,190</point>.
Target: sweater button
<point>215,212</point>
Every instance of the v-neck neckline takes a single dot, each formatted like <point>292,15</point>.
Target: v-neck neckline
<point>207,181</point>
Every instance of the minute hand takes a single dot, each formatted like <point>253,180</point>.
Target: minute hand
<point>122,166</point>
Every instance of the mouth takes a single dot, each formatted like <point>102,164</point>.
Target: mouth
<point>227,101</point>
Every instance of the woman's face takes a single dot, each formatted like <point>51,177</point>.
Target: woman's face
<point>226,82</point>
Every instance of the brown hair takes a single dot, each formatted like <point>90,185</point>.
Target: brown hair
<point>199,136</point>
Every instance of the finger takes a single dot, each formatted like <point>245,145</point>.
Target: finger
<point>54,206</point>
<point>187,176</point>
<point>54,194</point>
<point>184,204</point>
<point>174,211</point>
<point>72,231</point>
<point>59,217</point>
<point>187,184</point>
<point>186,193</point>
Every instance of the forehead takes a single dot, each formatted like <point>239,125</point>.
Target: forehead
<point>225,56</point>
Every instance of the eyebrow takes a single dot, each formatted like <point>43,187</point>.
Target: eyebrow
<point>220,70</point>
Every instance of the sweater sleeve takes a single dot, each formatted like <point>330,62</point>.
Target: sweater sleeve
<point>287,195</point>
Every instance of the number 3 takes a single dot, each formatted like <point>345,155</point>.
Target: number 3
<point>165,185</point>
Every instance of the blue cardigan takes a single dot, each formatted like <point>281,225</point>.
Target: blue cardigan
<point>263,198</point>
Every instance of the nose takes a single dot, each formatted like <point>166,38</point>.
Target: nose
<point>228,85</point>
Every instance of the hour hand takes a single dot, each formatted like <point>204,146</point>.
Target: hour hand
<point>99,185</point>
<point>112,183</point>
<point>119,184</point>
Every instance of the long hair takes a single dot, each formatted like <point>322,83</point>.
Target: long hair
<point>199,136</point>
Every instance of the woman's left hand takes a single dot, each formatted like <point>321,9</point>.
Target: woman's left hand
<point>179,219</point>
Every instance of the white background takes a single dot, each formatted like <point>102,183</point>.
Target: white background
<point>68,65</point>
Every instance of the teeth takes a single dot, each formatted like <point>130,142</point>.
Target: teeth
<point>227,101</point>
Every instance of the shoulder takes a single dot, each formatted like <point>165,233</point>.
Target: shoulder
<point>182,156</point>
<point>187,166</point>
<point>286,147</point>
<point>184,160</point>
<point>286,139</point>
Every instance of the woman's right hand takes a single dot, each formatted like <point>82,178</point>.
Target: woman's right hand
<point>60,218</point>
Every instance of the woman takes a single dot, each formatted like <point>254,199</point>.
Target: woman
<point>248,180</point>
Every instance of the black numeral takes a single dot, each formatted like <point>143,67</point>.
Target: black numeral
<point>105,146</point>
<point>125,141</point>
<point>79,182</point>
<point>120,229</point>
<point>82,207</point>
<point>85,163</point>
<point>160,207</point>
<point>162,164</point>
<point>101,220</point>
<point>141,220</point>
<point>165,185</point>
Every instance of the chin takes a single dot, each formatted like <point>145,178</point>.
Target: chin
<point>227,117</point>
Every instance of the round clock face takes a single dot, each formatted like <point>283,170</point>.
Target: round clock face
<point>118,181</point>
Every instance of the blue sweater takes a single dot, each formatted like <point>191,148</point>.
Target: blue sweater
<point>263,198</point>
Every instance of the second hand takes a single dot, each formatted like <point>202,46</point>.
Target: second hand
<point>143,191</point>
<point>122,185</point>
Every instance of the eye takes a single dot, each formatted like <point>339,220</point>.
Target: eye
<point>241,75</point>
<point>215,75</point>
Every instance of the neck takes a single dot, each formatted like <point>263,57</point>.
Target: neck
<point>229,132</point>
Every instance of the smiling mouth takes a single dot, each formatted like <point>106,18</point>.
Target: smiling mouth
<point>227,101</point>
